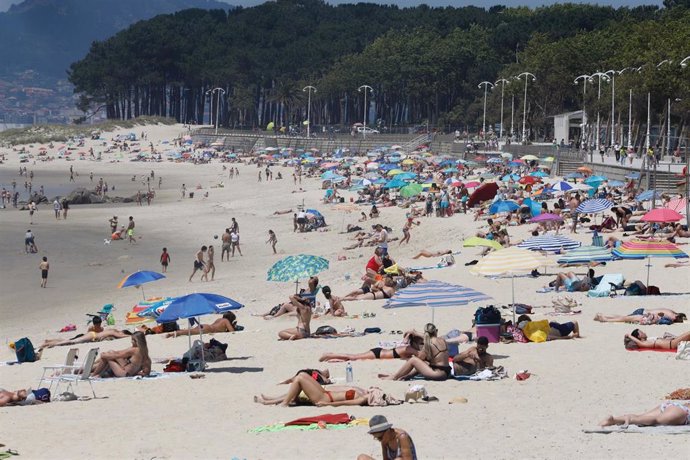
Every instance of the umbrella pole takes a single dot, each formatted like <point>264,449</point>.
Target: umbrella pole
<point>649,265</point>
<point>142,292</point>
<point>201,337</point>
<point>513,291</point>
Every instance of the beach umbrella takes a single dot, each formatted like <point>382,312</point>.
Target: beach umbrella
<point>646,249</point>
<point>450,170</point>
<point>294,268</point>
<point>484,192</point>
<point>595,181</point>
<point>330,175</point>
<point>503,206</point>
<point>138,278</point>
<point>633,176</point>
<point>662,215</point>
<point>561,186</point>
<point>574,175</point>
<point>528,180</point>
<point>648,195</point>
<point>538,174</point>
<point>615,183</point>
<point>529,158</point>
<point>410,190</point>
<point>594,206</point>
<point>546,217</point>
<point>408,162</point>
<point>434,294</point>
<point>395,172</point>
<point>585,169</point>
<point>677,204</point>
<point>475,241</point>
<point>194,306</point>
<point>509,177</point>
<point>406,175</point>
<point>472,184</point>
<point>395,183</point>
<point>495,160</point>
<point>548,159</point>
<point>507,155</point>
<point>509,261</point>
<point>550,243</point>
<point>372,166</point>
<point>586,254</point>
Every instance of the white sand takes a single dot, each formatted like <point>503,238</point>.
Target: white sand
<point>575,383</point>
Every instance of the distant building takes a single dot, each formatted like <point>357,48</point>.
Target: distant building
<point>567,126</point>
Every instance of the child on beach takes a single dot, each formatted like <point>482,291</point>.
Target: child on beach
<point>165,260</point>
<point>44,266</point>
<point>272,239</point>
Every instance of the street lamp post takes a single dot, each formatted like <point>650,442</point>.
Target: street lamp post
<point>309,89</point>
<point>366,109</point>
<point>512,116</point>
<point>527,76</point>
<point>584,79</point>
<point>668,119</point>
<point>684,64</point>
<point>218,91</point>
<point>503,82</point>
<point>605,77</point>
<point>486,85</point>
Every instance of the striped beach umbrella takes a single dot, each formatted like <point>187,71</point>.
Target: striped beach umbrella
<point>561,186</point>
<point>646,249</point>
<point>594,206</point>
<point>294,268</point>
<point>551,243</point>
<point>586,254</point>
<point>435,294</point>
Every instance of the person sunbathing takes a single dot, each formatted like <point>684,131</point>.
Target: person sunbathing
<point>427,253</point>
<point>383,289</point>
<point>638,339</point>
<point>671,413</point>
<point>288,308</point>
<point>323,377</point>
<point>315,394</point>
<point>473,359</point>
<point>226,323</point>
<point>304,312</point>
<point>557,331</point>
<point>644,316</point>
<point>22,397</point>
<point>405,351</point>
<point>125,363</point>
<point>571,282</point>
<point>92,336</point>
<point>432,363</point>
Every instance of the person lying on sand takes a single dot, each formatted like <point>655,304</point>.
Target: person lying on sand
<point>323,377</point>
<point>644,316</point>
<point>21,397</point>
<point>226,323</point>
<point>304,312</point>
<point>473,359</point>
<point>571,282</point>
<point>427,253</point>
<point>671,413</point>
<point>125,363</point>
<point>638,339</point>
<point>432,363</point>
<point>284,211</point>
<point>315,394</point>
<point>288,308</point>
<point>557,331</point>
<point>108,334</point>
<point>383,289</point>
<point>402,352</point>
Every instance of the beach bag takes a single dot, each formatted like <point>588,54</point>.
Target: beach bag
<point>378,398</point>
<point>325,330</point>
<point>683,351</point>
<point>636,288</point>
<point>25,350</point>
<point>446,261</point>
<point>487,315</point>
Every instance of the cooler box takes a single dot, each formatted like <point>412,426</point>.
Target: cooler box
<point>491,331</point>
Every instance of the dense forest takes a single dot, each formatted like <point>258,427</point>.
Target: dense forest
<point>423,64</point>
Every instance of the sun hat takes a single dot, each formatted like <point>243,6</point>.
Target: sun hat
<point>378,424</point>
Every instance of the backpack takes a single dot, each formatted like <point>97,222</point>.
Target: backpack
<point>487,315</point>
<point>25,350</point>
<point>636,288</point>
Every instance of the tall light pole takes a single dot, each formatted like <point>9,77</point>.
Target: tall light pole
<point>584,79</point>
<point>512,116</point>
<point>218,92</point>
<point>605,77</point>
<point>668,119</point>
<point>527,76</point>
<point>366,109</point>
<point>309,89</point>
<point>630,120</point>
<point>503,82</point>
<point>486,85</point>
<point>684,64</point>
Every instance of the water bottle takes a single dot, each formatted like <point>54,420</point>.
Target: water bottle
<point>348,373</point>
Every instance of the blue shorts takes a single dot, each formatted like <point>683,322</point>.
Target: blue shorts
<point>564,329</point>
<point>639,311</point>
<point>384,251</point>
<point>571,284</point>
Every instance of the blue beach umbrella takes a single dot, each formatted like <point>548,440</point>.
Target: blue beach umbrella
<point>503,206</point>
<point>648,195</point>
<point>138,278</point>
<point>575,175</point>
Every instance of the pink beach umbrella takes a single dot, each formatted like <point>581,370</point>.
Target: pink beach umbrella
<point>677,204</point>
<point>546,217</point>
<point>662,215</point>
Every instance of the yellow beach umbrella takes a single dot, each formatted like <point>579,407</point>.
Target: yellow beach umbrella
<point>408,162</point>
<point>395,172</point>
<point>529,158</point>
<point>476,241</point>
<point>549,159</point>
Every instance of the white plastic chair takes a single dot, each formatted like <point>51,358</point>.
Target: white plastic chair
<point>60,368</point>
<point>85,375</point>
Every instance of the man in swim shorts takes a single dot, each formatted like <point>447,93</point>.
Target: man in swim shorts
<point>473,359</point>
<point>198,261</point>
<point>226,245</point>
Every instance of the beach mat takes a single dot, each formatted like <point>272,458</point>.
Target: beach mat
<point>312,427</point>
<point>331,419</point>
<point>459,378</point>
<point>659,350</point>
<point>677,429</point>
<point>152,376</point>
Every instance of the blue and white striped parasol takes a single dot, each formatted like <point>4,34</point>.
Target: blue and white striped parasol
<point>586,254</point>
<point>594,206</point>
<point>552,243</point>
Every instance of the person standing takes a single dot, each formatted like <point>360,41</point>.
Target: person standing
<point>235,227</point>
<point>32,210</point>
<point>272,240</point>
<point>198,261</point>
<point>396,444</point>
<point>225,251</point>
<point>130,230</point>
<point>165,260</point>
<point>30,242</point>
<point>210,266</point>
<point>56,208</point>
<point>65,208</point>
<point>184,191</point>
<point>235,242</point>
<point>382,239</point>
<point>44,266</point>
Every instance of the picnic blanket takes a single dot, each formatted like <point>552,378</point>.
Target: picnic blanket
<point>667,429</point>
<point>311,427</point>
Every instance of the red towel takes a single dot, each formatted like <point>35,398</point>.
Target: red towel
<point>332,419</point>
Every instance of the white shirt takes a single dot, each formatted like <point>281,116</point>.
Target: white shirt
<point>383,238</point>
<point>234,237</point>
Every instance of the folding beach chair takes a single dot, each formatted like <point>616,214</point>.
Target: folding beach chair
<point>74,379</point>
<point>60,368</point>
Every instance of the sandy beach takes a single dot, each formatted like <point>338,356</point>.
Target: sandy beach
<point>574,383</point>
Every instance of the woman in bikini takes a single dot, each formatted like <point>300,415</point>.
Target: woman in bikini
<point>209,265</point>
<point>226,323</point>
<point>401,352</point>
<point>383,289</point>
<point>304,312</point>
<point>638,339</point>
<point>125,363</point>
<point>667,413</point>
<point>644,316</point>
<point>316,395</point>
<point>432,363</point>
<point>91,336</point>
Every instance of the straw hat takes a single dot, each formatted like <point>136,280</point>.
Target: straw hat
<point>378,424</point>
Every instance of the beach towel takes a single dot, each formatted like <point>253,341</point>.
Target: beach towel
<point>325,418</point>
<point>603,289</point>
<point>661,350</point>
<point>313,427</point>
<point>152,376</point>
<point>537,331</point>
<point>677,429</point>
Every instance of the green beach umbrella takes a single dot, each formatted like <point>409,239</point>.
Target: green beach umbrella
<point>294,268</point>
<point>410,190</point>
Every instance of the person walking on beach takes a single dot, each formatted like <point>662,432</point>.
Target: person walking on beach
<point>235,242</point>
<point>130,230</point>
<point>210,267</point>
<point>32,210</point>
<point>113,224</point>
<point>184,191</point>
<point>198,261</point>
<point>56,208</point>
<point>65,208</point>
<point>226,245</point>
<point>406,230</point>
<point>44,266</point>
<point>396,444</point>
<point>165,260</point>
<point>30,242</point>
<point>272,239</point>
<point>259,176</point>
